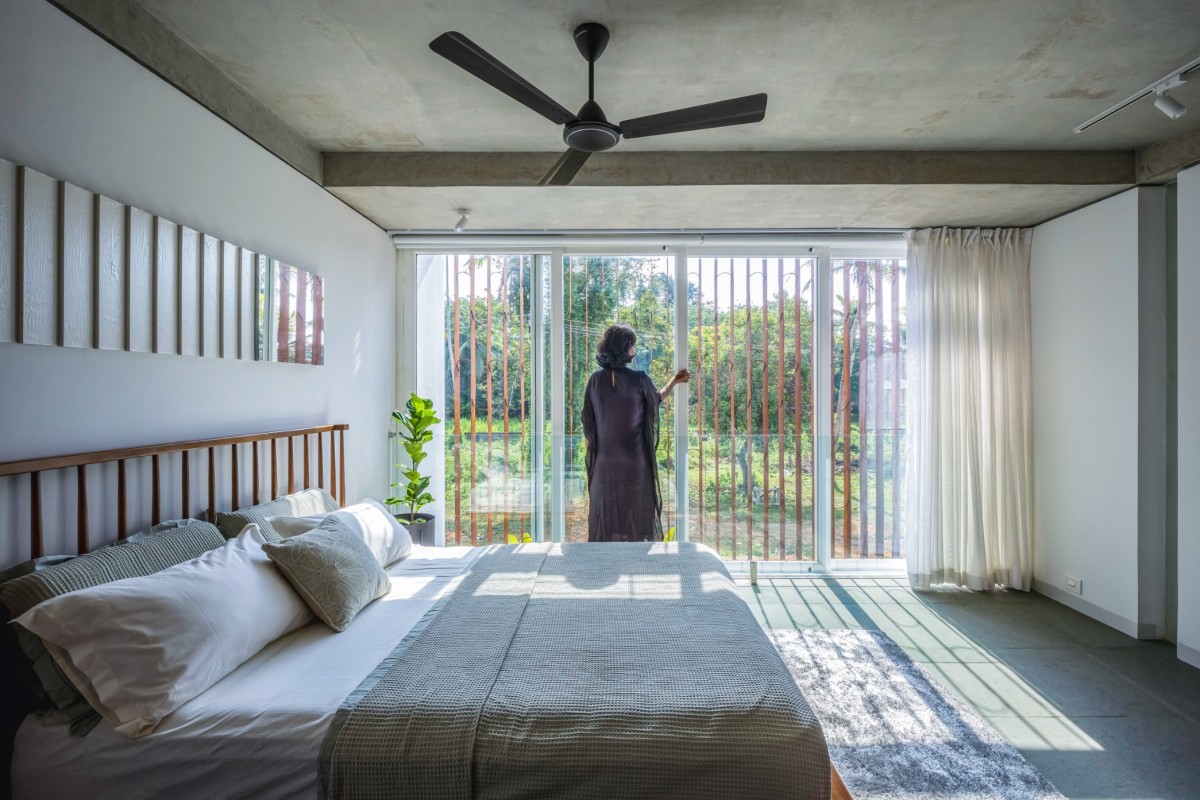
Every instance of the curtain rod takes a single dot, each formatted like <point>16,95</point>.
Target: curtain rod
<point>759,238</point>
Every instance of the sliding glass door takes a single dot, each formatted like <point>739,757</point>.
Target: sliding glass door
<point>752,444</point>
<point>489,403</point>
<point>868,389</point>
<point>787,445</point>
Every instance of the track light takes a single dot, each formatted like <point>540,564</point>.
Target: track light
<point>462,220</point>
<point>1167,104</point>
<point>1162,99</point>
<point>1170,106</point>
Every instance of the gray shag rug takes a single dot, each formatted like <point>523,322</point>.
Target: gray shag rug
<point>893,732</point>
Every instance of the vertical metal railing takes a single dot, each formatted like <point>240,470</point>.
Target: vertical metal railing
<point>526,440</point>
<point>698,363</point>
<point>876,403</point>
<point>456,366</point>
<point>488,318</point>
<point>842,419</point>
<point>780,347</point>
<point>716,378</point>
<point>748,441</point>
<point>504,393</point>
<point>756,384</point>
<point>750,490</point>
<point>733,481</point>
<point>797,415</point>
<point>869,408</point>
<point>487,371</point>
<point>474,388</point>
<point>897,384</point>
<point>762,423</point>
<point>860,281</point>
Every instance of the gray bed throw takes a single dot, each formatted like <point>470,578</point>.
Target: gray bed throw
<point>581,671</point>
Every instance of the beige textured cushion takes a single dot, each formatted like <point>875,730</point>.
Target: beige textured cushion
<point>300,504</point>
<point>332,569</point>
<point>374,524</point>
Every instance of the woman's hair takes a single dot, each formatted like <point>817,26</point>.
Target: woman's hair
<point>613,351</point>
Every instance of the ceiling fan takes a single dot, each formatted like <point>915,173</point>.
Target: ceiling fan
<point>589,131</point>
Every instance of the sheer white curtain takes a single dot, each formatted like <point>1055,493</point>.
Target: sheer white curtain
<point>969,495</point>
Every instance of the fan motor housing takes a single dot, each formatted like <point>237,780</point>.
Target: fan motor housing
<point>591,136</point>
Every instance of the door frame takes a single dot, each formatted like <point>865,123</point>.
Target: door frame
<point>547,291</point>
<point>822,378</point>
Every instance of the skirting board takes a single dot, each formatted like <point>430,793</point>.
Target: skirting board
<point>1188,655</point>
<point>1125,626</point>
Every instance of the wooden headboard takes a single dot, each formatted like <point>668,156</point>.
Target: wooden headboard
<point>81,461</point>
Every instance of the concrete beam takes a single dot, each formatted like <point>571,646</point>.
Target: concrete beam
<point>592,208</point>
<point>1162,161</point>
<point>136,32</point>
<point>734,168</point>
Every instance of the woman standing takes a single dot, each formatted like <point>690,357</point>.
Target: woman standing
<point>620,424</point>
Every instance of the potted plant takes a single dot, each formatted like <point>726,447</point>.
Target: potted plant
<point>416,422</point>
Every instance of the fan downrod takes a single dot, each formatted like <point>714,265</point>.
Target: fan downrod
<point>591,132</point>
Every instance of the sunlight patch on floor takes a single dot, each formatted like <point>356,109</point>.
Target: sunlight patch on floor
<point>1025,716</point>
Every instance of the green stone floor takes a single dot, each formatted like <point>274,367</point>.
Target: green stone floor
<point>1100,714</point>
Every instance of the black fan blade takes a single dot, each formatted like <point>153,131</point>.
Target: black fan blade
<point>565,169</point>
<point>738,111</point>
<point>455,47</point>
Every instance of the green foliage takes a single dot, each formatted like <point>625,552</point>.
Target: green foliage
<point>489,356</point>
<point>416,424</point>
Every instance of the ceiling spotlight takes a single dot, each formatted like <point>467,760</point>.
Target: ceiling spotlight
<point>1167,104</point>
<point>1170,106</point>
<point>462,220</point>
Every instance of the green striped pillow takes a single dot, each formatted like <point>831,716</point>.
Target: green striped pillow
<point>108,564</point>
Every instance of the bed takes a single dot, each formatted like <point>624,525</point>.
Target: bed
<point>537,670</point>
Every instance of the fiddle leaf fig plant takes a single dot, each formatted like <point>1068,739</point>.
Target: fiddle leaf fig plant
<point>416,422</point>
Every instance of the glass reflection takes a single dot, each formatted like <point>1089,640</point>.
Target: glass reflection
<point>290,314</point>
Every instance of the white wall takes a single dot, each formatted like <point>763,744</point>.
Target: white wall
<point>1188,372</point>
<point>1094,515</point>
<point>77,109</point>
<point>422,364</point>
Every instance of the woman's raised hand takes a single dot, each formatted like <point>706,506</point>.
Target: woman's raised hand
<point>683,376</point>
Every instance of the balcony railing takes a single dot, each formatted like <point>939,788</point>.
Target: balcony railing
<point>751,452</point>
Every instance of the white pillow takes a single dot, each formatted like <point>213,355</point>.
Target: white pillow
<point>139,648</point>
<point>387,538</point>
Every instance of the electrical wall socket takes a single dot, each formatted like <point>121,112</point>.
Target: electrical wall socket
<point>1073,585</point>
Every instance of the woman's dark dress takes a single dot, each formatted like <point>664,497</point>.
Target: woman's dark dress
<point>620,423</point>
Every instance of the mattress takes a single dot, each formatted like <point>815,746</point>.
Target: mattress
<point>257,732</point>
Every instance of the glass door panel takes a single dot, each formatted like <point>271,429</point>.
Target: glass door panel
<point>868,319</point>
<point>489,413</point>
<point>751,459</point>
<point>599,291</point>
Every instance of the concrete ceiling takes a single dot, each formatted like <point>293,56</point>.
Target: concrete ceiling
<point>841,74</point>
<point>357,75</point>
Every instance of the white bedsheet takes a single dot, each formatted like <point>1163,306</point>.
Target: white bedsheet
<point>257,732</point>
